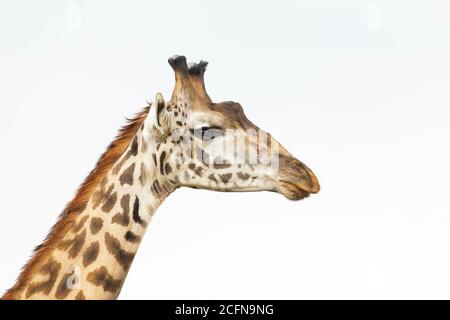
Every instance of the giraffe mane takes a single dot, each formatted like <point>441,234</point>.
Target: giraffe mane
<point>77,205</point>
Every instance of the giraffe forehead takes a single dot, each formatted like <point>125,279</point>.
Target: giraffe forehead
<point>197,119</point>
<point>226,114</point>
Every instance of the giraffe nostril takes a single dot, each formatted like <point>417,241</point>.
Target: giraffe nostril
<point>300,165</point>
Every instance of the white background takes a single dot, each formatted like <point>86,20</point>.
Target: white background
<point>358,90</point>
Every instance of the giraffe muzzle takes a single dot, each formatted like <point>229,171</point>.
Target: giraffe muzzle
<point>295,180</point>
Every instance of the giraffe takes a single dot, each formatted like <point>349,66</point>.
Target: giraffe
<point>188,141</point>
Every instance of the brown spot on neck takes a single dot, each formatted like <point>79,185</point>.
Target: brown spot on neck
<point>51,268</point>
<point>80,224</point>
<point>120,164</point>
<point>110,203</point>
<point>136,216</point>
<point>74,245</point>
<point>127,176</point>
<point>123,257</point>
<point>64,286</point>
<point>99,195</point>
<point>134,147</point>
<point>131,237</point>
<point>96,225</point>
<point>101,278</point>
<point>91,253</point>
<point>123,218</point>
<point>131,153</point>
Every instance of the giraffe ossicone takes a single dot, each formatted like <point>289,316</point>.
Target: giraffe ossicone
<point>188,141</point>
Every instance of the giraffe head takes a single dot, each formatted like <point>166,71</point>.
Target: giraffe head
<point>207,145</point>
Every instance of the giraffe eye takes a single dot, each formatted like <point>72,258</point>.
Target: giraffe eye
<point>208,133</point>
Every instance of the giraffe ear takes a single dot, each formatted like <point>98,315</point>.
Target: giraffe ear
<point>160,116</point>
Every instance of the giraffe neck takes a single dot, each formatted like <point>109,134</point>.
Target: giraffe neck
<point>117,217</point>
<point>92,259</point>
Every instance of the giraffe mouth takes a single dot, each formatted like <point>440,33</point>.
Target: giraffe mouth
<point>295,180</point>
<point>292,191</point>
